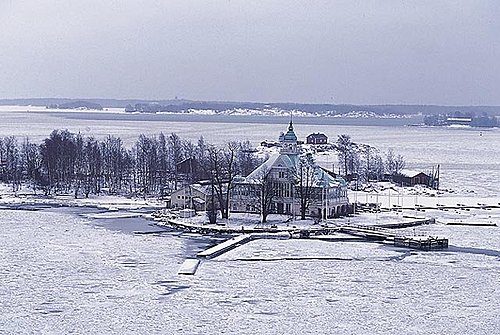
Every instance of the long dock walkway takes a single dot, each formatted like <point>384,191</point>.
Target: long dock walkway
<point>387,236</point>
<point>236,241</point>
<point>380,233</point>
<point>223,230</point>
<point>374,207</point>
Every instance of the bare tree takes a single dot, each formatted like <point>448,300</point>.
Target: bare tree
<point>146,163</point>
<point>12,162</point>
<point>175,155</point>
<point>389,162</point>
<point>79,164</point>
<point>304,187</point>
<point>399,164</point>
<point>246,160</point>
<point>222,170</point>
<point>112,163</point>
<point>264,192</point>
<point>31,162</point>
<point>92,167</point>
<point>212,207</point>
<point>394,163</point>
<point>162,164</point>
<point>58,153</point>
<point>345,151</point>
<point>378,167</point>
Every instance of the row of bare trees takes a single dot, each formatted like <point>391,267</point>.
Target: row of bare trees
<point>366,162</point>
<point>71,163</point>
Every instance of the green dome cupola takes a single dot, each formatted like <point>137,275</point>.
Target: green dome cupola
<point>290,134</point>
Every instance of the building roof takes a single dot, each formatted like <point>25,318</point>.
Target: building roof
<point>321,178</point>
<point>275,160</point>
<point>291,160</point>
<point>204,189</point>
<point>317,135</point>
<point>290,134</point>
<point>411,173</point>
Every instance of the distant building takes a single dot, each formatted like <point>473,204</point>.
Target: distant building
<point>317,138</point>
<point>328,192</point>
<point>460,121</point>
<point>411,178</point>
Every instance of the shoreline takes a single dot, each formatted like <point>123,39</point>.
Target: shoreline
<point>421,205</point>
<point>105,202</point>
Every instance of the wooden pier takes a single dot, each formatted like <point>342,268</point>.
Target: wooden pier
<point>225,246</point>
<point>222,230</point>
<point>388,236</point>
<point>383,233</point>
<point>376,207</point>
<point>421,243</point>
<point>236,241</point>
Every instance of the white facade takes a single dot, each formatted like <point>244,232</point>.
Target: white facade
<point>328,193</point>
<point>192,196</point>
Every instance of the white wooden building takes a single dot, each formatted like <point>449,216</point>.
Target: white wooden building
<point>328,192</point>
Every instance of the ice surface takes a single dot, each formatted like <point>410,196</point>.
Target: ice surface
<point>59,274</point>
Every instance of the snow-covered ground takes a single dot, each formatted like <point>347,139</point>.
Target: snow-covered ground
<point>26,197</point>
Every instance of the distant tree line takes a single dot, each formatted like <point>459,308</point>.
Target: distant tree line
<point>75,105</point>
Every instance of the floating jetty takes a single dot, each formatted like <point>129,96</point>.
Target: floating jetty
<point>189,267</point>
<point>472,224</point>
<point>388,236</point>
<point>375,207</point>
<point>421,242</point>
<point>240,240</point>
<point>222,230</point>
<point>225,246</point>
<point>383,233</point>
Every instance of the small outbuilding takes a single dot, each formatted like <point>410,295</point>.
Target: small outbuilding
<point>193,196</point>
<point>412,177</point>
<point>317,138</point>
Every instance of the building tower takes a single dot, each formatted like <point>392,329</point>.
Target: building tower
<point>289,141</point>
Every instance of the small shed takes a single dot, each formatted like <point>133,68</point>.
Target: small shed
<point>192,196</point>
<point>412,177</point>
<point>317,138</point>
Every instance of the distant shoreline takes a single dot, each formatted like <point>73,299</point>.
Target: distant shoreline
<point>257,119</point>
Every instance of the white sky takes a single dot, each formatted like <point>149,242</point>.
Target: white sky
<point>419,52</point>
